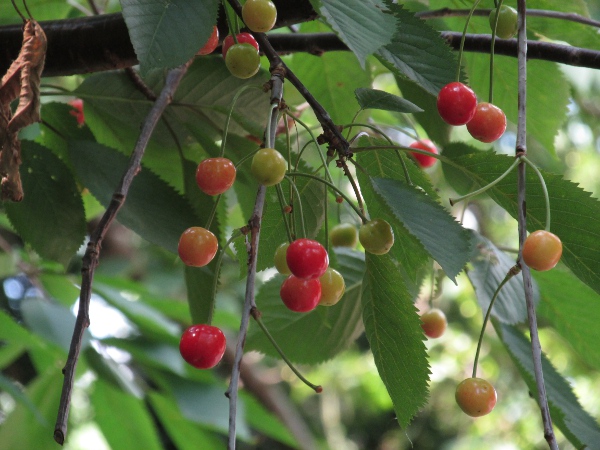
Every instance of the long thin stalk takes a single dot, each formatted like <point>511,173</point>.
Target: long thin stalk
<point>521,149</point>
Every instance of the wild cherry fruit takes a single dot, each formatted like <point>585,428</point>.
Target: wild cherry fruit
<point>332,287</point>
<point>376,236</point>
<point>77,110</point>
<point>424,160</point>
<point>344,235</point>
<point>307,259</point>
<point>488,123</point>
<point>259,15</point>
<point>434,323</point>
<point>456,103</point>
<point>211,44</point>
<point>268,166</point>
<point>476,397</point>
<point>280,259</point>
<point>542,250</point>
<point>507,22</point>
<point>215,175</point>
<point>202,346</point>
<point>242,60</point>
<point>197,246</point>
<point>242,38</point>
<point>300,295</point>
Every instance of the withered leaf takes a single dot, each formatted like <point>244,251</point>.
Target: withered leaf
<point>22,81</point>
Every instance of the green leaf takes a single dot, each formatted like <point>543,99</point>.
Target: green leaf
<point>185,434</point>
<point>490,266</point>
<point>332,78</point>
<point>418,53</point>
<point>149,321</point>
<point>111,407</point>
<point>395,335</point>
<point>576,424</point>
<point>362,25</point>
<point>435,127</point>
<point>442,236</point>
<point>572,308</point>
<point>21,429</point>
<point>576,34</point>
<point>53,322</point>
<point>326,331</point>
<point>51,206</point>
<point>167,34</point>
<point>575,214</point>
<point>11,388</point>
<point>266,423</point>
<point>376,99</point>
<point>407,249</point>
<point>152,208</point>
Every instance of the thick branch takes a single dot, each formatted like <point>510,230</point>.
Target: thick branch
<point>90,259</point>
<point>94,44</point>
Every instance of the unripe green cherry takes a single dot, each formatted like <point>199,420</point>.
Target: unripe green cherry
<point>242,60</point>
<point>280,261</point>
<point>268,166</point>
<point>332,287</point>
<point>259,15</point>
<point>507,22</point>
<point>376,236</point>
<point>344,235</point>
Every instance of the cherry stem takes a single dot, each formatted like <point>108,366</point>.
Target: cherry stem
<point>257,317</point>
<point>462,39</point>
<point>511,273</point>
<point>213,211</point>
<point>268,142</point>
<point>335,188</point>
<point>307,128</point>
<point>544,189</point>
<point>297,192</point>
<point>281,198</point>
<point>453,201</point>
<point>387,138</point>
<point>230,24</point>
<point>491,94</point>
<point>230,113</point>
<point>236,234</point>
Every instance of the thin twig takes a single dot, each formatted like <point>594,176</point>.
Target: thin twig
<point>331,132</point>
<point>449,12</point>
<point>90,259</point>
<point>249,303</point>
<point>521,149</point>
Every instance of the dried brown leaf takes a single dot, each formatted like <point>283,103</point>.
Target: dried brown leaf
<point>22,81</point>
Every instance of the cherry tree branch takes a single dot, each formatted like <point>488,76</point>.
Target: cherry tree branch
<point>254,225</point>
<point>521,149</point>
<point>91,257</point>
<point>449,12</point>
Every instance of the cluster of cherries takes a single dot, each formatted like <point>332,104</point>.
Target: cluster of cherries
<point>241,53</point>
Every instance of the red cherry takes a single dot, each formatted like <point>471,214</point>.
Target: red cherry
<point>434,323</point>
<point>215,175</point>
<point>243,38</point>
<point>307,259</point>
<point>456,103</point>
<point>211,44</point>
<point>488,123</point>
<point>476,397</point>
<point>300,295</point>
<point>202,346</point>
<point>424,160</point>
<point>77,112</point>
<point>197,246</point>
